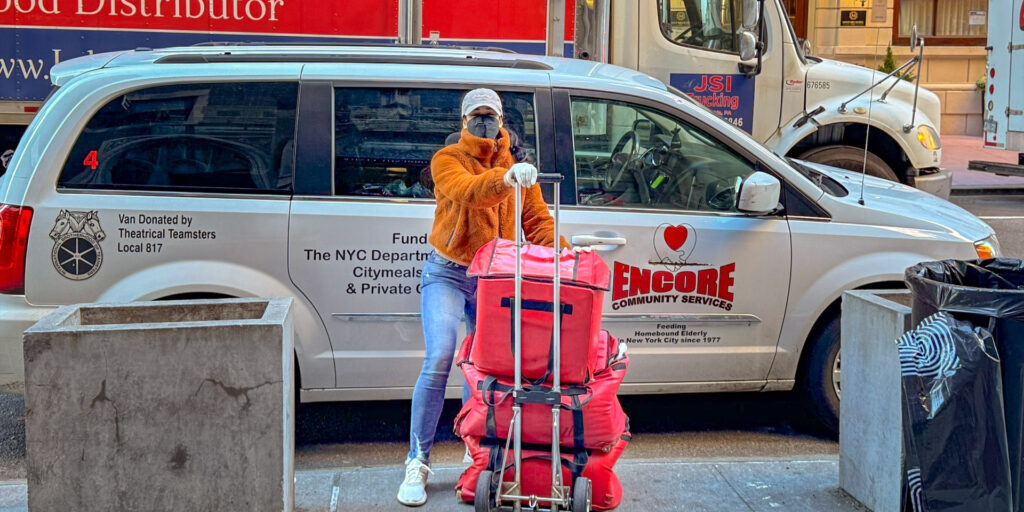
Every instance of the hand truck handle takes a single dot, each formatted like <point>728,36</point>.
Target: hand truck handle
<point>549,177</point>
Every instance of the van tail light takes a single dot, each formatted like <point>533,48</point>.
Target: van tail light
<point>14,224</point>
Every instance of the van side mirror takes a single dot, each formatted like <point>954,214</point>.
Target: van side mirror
<point>759,194</point>
<point>913,38</point>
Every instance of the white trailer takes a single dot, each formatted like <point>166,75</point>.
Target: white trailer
<point>1004,98</point>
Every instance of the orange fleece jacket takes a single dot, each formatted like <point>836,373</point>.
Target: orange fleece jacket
<point>474,205</point>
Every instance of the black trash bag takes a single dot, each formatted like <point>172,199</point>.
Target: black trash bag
<point>954,431</point>
<point>988,293</point>
<point>989,288</point>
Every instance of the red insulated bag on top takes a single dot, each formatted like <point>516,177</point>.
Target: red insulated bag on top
<point>585,278</point>
<point>591,415</point>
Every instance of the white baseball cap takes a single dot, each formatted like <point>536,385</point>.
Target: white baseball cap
<point>480,98</point>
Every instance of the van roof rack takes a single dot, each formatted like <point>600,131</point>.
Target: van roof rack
<point>443,60</point>
<point>356,45</point>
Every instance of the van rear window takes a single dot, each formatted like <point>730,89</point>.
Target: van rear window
<point>214,137</point>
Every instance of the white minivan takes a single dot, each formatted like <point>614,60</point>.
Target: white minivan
<point>303,171</point>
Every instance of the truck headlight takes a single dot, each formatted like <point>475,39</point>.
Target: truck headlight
<point>928,138</point>
<point>987,248</point>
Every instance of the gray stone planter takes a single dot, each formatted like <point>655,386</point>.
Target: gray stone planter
<point>183,405</point>
<point>870,420</point>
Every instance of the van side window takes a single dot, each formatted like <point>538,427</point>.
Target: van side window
<point>385,138</point>
<point>632,156</point>
<point>223,137</point>
<point>710,24</point>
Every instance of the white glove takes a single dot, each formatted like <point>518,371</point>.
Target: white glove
<point>523,174</point>
<point>582,248</point>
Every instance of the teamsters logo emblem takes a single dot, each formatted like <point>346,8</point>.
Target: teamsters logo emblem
<point>76,244</point>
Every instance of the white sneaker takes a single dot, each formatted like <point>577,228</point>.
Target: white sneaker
<point>467,458</point>
<point>413,491</point>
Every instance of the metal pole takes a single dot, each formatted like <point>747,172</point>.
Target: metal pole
<point>518,344</point>
<point>403,21</point>
<point>410,21</point>
<point>556,347</point>
<point>554,40</point>
<point>917,87</point>
<point>416,22</point>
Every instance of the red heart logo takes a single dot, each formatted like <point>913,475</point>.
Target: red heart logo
<point>675,236</point>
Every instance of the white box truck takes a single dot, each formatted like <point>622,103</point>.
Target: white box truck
<point>1004,92</point>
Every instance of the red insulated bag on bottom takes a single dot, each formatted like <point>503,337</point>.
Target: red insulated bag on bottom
<point>465,489</point>
<point>591,416</point>
<point>536,471</point>
<point>535,475</point>
<point>607,490</point>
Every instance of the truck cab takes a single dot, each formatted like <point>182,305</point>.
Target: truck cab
<point>742,60</point>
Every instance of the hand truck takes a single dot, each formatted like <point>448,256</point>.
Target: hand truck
<point>492,492</point>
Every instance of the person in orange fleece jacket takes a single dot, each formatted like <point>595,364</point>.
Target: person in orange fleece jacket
<point>474,183</point>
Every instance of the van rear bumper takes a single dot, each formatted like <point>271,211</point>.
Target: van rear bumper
<point>16,315</point>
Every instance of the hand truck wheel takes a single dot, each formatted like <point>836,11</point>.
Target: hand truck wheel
<point>483,500</point>
<point>581,495</point>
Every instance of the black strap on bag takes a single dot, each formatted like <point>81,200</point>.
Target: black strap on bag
<point>535,305</point>
<point>580,456</point>
<point>489,388</point>
<point>578,438</point>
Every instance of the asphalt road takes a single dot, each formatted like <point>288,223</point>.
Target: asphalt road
<point>1005,213</point>
<point>714,426</point>
<point>12,432</point>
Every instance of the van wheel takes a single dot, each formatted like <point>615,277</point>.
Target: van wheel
<point>851,159</point>
<point>821,379</point>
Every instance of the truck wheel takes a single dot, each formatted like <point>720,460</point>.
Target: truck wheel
<point>850,158</point>
<point>821,380</point>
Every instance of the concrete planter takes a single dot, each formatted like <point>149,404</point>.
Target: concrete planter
<point>161,406</point>
<point>871,417</point>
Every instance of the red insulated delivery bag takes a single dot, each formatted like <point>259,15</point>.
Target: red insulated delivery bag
<point>591,415</point>
<point>597,465</point>
<point>535,475</point>
<point>585,278</point>
<point>607,490</point>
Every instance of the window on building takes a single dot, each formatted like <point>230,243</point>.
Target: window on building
<point>223,137</point>
<point>710,24</point>
<point>943,22</point>
<point>385,138</point>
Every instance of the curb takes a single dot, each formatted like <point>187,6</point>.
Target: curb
<point>987,190</point>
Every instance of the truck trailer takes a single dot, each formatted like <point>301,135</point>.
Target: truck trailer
<point>1004,88</point>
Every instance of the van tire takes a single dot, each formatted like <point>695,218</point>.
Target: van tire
<point>850,158</point>
<point>817,385</point>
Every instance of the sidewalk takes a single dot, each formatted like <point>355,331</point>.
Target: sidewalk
<point>788,484</point>
<point>957,150</point>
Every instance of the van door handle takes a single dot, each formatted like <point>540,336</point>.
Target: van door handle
<point>593,240</point>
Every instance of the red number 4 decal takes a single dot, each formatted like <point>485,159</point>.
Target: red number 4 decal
<point>91,161</point>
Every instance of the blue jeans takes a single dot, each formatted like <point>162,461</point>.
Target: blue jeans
<point>447,297</point>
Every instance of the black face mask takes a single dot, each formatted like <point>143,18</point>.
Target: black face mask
<point>484,126</point>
